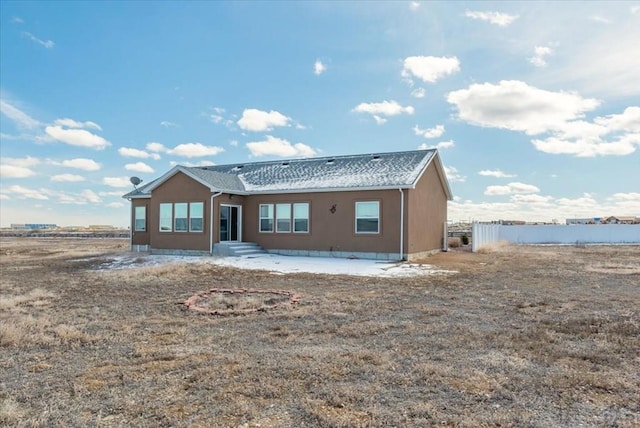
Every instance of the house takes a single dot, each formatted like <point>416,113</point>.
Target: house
<point>390,206</point>
<point>621,220</point>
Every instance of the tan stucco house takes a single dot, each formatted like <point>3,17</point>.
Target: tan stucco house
<point>389,206</point>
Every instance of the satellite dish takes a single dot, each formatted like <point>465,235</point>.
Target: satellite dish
<point>135,181</point>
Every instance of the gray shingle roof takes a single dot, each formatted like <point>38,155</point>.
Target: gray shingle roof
<point>352,172</point>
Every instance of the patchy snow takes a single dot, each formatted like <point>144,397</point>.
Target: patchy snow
<point>280,265</point>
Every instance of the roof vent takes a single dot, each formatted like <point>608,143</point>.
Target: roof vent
<point>375,158</point>
<point>331,161</point>
<point>285,164</point>
<point>237,168</point>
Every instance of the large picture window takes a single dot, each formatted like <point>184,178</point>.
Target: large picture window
<point>140,222</point>
<point>166,217</point>
<point>196,214</point>
<point>180,213</point>
<point>301,217</point>
<point>283,217</point>
<point>368,217</point>
<point>266,217</point>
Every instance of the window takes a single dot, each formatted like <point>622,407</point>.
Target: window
<point>196,213</point>
<point>368,217</point>
<point>283,217</point>
<point>140,222</point>
<point>180,213</point>
<point>166,217</point>
<point>301,217</point>
<point>266,217</point>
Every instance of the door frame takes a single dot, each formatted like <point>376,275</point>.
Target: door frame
<point>238,225</point>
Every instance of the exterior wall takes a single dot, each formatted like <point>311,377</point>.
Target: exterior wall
<point>140,238</point>
<point>333,232</point>
<point>426,214</point>
<point>178,188</point>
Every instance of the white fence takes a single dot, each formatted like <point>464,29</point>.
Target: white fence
<point>484,234</point>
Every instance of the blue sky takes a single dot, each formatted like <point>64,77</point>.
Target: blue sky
<point>534,106</point>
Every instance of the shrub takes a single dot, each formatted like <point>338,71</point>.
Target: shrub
<point>465,240</point>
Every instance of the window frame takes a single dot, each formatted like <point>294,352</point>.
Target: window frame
<point>168,205</point>
<point>270,216</point>
<point>361,217</point>
<point>286,206</point>
<point>293,211</point>
<point>191,217</point>
<point>181,206</point>
<point>136,218</point>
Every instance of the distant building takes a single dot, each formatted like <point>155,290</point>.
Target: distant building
<point>33,226</point>
<point>621,220</point>
<point>591,220</point>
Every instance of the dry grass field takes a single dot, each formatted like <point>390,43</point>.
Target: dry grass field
<point>519,336</point>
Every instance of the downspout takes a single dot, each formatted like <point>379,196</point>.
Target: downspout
<point>401,224</point>
<point>215,195</point>
<point>132,221</point>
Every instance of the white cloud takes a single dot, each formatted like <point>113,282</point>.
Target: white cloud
<point>17,20</point>
<point>90,196</point>
<point>414,5</point>
<point>516,106</point>
<point>114,193</point>
<point>319,67</point>
<point>379,120</point>
<point>233,143</point>
<point>46,43</point>
<point>600,19</point>
<point>156,147</point>
<point>539,54</point>
<point>278,147</point>
<point>183,163</point>
<point>117,181</point>
<point>384,108</point>
<point>4,197</point>
<point>194,150</point>
<point>418,93</point>
<point>115,205</point>
<point>138,167</point>
<point>440,146</point>
<point>511,188</point>
<point>530,199</point>
<point>430,68</point>
<point>23,162</point>
<point>495,173</point>
<point>218,117</point>
<point>257,120</point>
<point>137,153</point>
<point>82,163</point>
<point>588,148</point>
<point>20,118</point>
<point>76,137</point>
<point>82,198</point>
<point>629,120</point>
<point>453,176</point>
<point>632,196</point>
<point>67,178</point>
<point>26,193</point>
<point>70,123</point>
<point>14,171</point>
<point>497,18</point>
<point>168,124</point>
<point>435,132</point>
<point>634,9</point>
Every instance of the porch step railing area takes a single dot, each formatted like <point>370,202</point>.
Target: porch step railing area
<point>237,249</point>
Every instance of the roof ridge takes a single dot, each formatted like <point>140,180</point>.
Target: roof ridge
<point>309,159</point>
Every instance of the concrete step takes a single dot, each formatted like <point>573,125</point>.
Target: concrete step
<point>236,249</point>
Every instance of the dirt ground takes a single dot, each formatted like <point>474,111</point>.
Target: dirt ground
<point>520,336</point>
